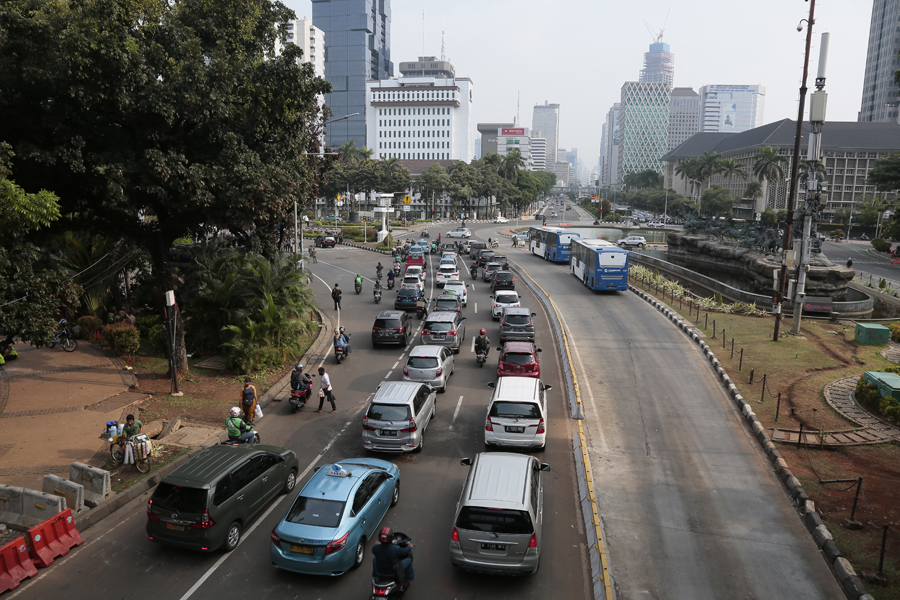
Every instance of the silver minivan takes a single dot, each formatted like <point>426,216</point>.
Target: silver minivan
<point>397,416</point>
<point>517,413</point>
<point>517,325</point>
<point>497,525</point>
<point>444,328</point>
<point>429,364</point>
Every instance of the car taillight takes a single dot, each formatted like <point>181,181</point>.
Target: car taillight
<point>488,425</point>
<point>150,514</point>
<point>531,367</point>
<point>533,542</point>
<point>275,538</point>
<point>398,329</point>
<point>455,535</point>
<point>205,521</point>
<point>366,426</point>
<point>412,427</point>
<point>440,372</point>
<point>452,332</point>
<point>337,545</point>
<point>405,371</point>
<point>540,427</point>
<point>425,332</point>
<point>376,329</point>
<point>496,305</point>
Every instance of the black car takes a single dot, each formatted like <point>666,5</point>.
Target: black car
<point>476,247</point>
<point>486,256</point>
<point>326,241</point>
<point>391,327</point>
<point>503,280</point>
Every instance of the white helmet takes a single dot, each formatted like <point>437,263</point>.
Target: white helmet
<point>235,411</point>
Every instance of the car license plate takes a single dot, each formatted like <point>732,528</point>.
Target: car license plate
<point>438,336</point>
<point>301,549</point>
<point>174,526</point>
<point>389,432</point>
<point>515,430</point>
<point>492,546</point>
<point>518,329</point>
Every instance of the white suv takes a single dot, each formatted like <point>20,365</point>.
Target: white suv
<point>503,299</point>
<point>447,273</point>
<point>457,287</point>
<point>501,220</point>
<point>517,413</point>
<point>459,232</point>
<point>633,241</point>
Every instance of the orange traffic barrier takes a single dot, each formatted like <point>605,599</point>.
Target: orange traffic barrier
<point>15,564</point>
<point>895,261</point>
<point>54,537</point>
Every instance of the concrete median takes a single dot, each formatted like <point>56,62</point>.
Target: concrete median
<point>95,481</point>
<point>71,491</point>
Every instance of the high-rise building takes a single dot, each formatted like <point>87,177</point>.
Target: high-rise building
<point>604,132</point>
<point>421,118</point>
<point>310,39</point>
<point>428,66</point>
<point>684,115</point>
<point>644,127</point>
<point>545,123</point>
<point>539,153</point>
<point>881,97</point>
<point>572,159</point>
<point>488,133</point>
<point>659,64</point>
<point>563,172</point>
<point>515,138</point>
<point>610,150</point>
<point>731,108</point>
<point>357,49</point>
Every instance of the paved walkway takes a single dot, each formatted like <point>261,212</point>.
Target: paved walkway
<point>840,395</point>
<point>53,406</point>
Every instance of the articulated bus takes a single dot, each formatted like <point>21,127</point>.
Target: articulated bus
<point>599,264</point>
<point>552,243</point>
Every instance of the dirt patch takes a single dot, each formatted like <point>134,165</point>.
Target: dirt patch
<point>122,477</point>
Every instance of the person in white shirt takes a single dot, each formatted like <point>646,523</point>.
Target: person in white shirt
<point>325,392</point>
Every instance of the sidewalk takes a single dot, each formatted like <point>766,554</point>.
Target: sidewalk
<point>53,406</point>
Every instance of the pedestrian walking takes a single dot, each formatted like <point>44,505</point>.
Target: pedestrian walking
<point>325,391</point>
<point>312,254</point>
<point>336,294</point>
<point>849,262</point>
<point>248,400</point>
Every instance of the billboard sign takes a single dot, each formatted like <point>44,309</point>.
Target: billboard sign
<point>513,131</point>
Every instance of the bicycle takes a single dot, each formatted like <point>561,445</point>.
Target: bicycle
<point>117,452</point>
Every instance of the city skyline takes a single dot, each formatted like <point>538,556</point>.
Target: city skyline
<point>764,47</point>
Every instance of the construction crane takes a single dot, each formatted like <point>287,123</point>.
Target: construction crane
<point>658,37</point>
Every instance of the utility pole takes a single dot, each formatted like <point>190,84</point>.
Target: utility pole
<point>817,103</point>
<point>795,170</point>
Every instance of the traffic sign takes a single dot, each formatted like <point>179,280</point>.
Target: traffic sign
<point>407,208</point>
<point>383,209</point>
<point>367,213</point>
<point>406,199</point>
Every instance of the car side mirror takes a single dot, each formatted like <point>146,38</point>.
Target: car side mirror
<point>316,470</point>
<point>548,387</point>
<point>492,385</point>
<point>466,462</point>
<point>533,314</point>
<point>499,349</point>
<point>539,350</point>
<point>545,467</point>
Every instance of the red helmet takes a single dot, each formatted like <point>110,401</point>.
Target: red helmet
<point>386,536</point>
<point>483,332</point>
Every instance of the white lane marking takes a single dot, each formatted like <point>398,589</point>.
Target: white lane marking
<point>476,308</point>
<point>262,518</point>
<point>395,365</point>
<point>473,343</point>
<point>388,376</point>
<point>456,412</point>
<point>345,271</point>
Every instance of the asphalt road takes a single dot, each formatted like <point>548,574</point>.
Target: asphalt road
<point>117,560</point>
<point>690,506</point>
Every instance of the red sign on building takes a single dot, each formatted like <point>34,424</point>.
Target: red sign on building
<point>512,131</point>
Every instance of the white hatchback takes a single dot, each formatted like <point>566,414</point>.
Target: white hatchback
<point>501,220</point>
<point>417,271</point>
<point>459,232</point>
<point>503,299</point>
<point>432,365</point>
<point>517,413</point>
<point>457,287</point>
<point>447,273</point>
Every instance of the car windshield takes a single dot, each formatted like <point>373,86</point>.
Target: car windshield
<point>494,520</point>
<point>317,512</point>
<point>518,358</point>
<point>515,410</point>
<point>517,320</point>
<point>422,362</point>
<point>501,276</point>
<point>447,269</point>
<point>438,326</point>
<point>387,323</point>
<point>179,498</point>
<point>506,299</point>
<point>389,412</point>
<point>407,293</point>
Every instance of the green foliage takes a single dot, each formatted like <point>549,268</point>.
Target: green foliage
<point>885,175</point>
<point>881,245</point>
<point>717,201</point>
<point>122,338</point>
<point>676,290</point>
<point>270,340</point>
<point>387,243</point>
<point>869,397</point>
<point>144,322</point>
<point>768,218</point>
<point>90,325</point>
<point>157,337</point>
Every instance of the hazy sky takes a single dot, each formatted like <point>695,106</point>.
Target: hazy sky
<point>578,53</point>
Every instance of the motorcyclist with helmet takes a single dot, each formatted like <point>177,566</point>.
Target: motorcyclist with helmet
<point>300,380</point>
<point>379,269</point>
<point>238,429</point>
<point>482,342</point>
<point>342,339</point>
<point>386,554</point>
<point>376,290</point>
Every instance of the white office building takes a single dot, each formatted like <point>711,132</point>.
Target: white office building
<point>731,108</point>
<point>421,119</point>
<point>515,138</point>
<point>545,123</point>
<point>310,39</point>
<point>684,116</point>
<point>539,153</point>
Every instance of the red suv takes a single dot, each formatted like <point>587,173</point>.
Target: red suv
<point>519,359</point>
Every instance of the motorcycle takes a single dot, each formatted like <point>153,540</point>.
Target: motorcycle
<point>390,284</point>
<point>341,351</point>
<point>299,398</point>
<point>425,234</point>
<point>357,287</point>
<point>387,587</point>
<point>64,338</point>
<point>377,295</point>
<point>421,310</point>
<point>474,271</point>
<point>397,268</point>
<point>256,440</point>
<point>481,357</point>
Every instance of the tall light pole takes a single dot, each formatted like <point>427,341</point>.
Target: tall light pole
<point>795,170</point>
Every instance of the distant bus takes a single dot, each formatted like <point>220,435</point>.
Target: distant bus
<point>599,264</point>
<point>552,243</point>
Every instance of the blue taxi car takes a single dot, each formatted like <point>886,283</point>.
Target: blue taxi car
<point>337,511</point>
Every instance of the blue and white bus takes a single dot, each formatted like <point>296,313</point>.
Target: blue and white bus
<point>599,264</point>
<point>551,243</point>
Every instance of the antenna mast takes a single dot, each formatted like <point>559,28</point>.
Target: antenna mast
<point>518,104</point>
<point>423,31</point>
<point>442,45</point>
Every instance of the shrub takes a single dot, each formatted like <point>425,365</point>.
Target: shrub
<point>895,333</point>
<point>869,397</point>
<point>144,322</point>
<point>122,338</point>
<point>880,245</point>
<point>387,243</point>
<point>157,337</point>
<point>90,325</point>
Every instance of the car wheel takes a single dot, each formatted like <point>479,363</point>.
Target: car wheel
<point>395,497</point>
<point>359,554</point>
<point>232,538</point>
<point>290,482</point>
<point>421,443</point>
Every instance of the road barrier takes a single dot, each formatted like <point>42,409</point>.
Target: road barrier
<point>38,507</point>
<point>53,538</point>
<point>10,503</point>
<point>15,564</point>
<point>95,481</point>
<point>71,491</point>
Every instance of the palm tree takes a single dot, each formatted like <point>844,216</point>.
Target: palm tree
<point>509,169</point>
<point>710,164</point>
<point>769,165</point>
<point>818,166</point>
<point>689,169</point>
<point>730,167</point>
<point>753,190</point>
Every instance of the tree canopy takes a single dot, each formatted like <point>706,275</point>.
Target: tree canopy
<point>885,176</point>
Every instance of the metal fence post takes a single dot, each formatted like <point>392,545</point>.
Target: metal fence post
<point>714,329</point>
<point>762,395</point>
<point>741,361</point>
<point>706,322</point>
<point>777,406</point>
<point>884,531</point>
<point>800,437</point>
<point>859,484</point>
<point>732,348</point>
<point>723,338</point>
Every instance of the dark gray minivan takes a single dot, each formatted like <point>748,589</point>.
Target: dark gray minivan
<point>208,501</point>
